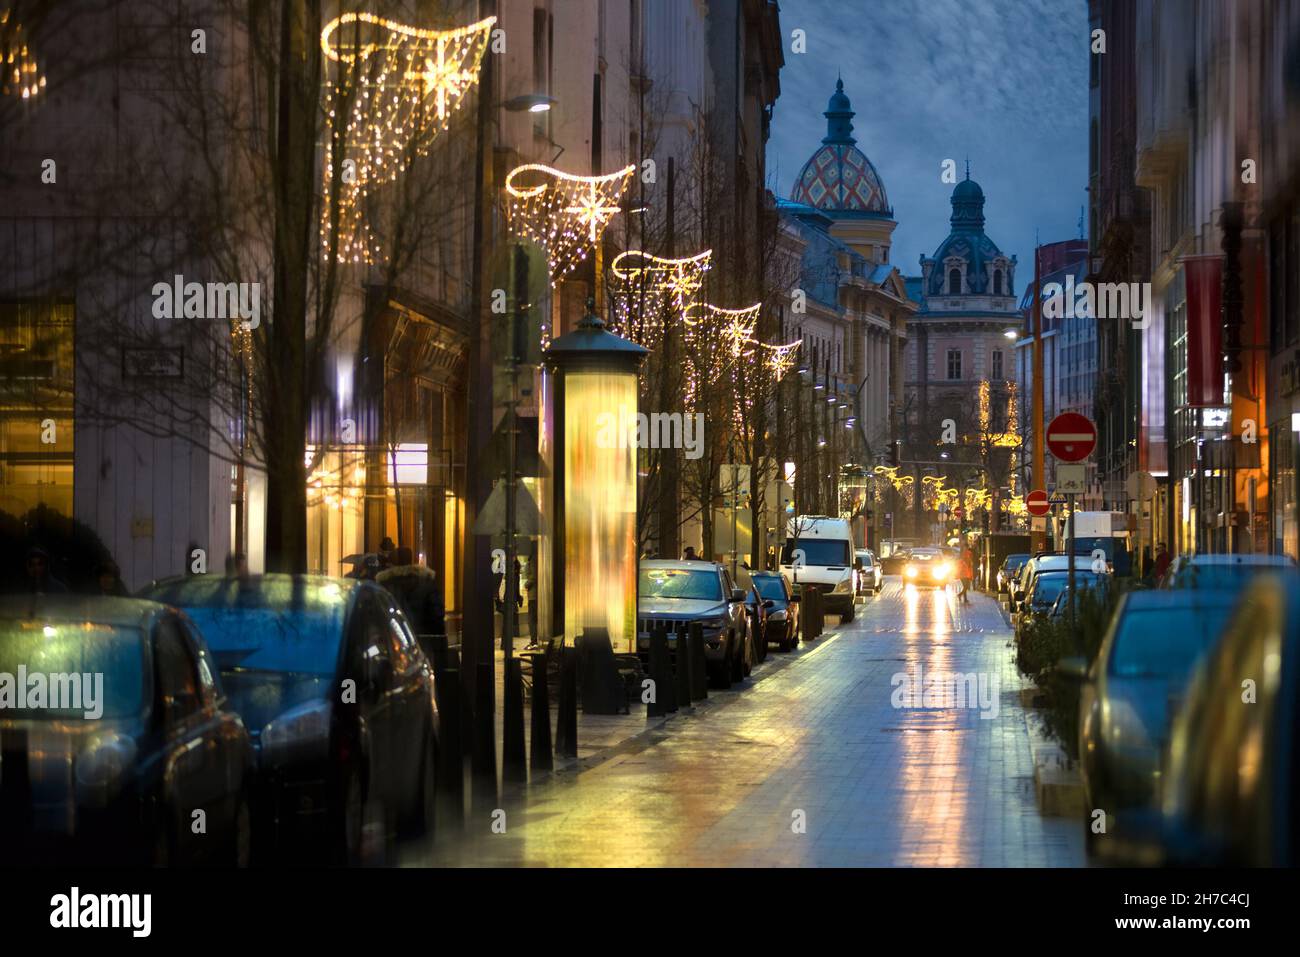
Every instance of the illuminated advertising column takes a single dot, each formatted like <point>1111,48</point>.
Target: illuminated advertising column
<point>595,402</point>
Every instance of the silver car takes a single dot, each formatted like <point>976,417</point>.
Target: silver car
<point>676,593</point>
<point>871,578</point>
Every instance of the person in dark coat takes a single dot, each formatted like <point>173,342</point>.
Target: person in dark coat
<point>108,581</point>
<point>40,580</point>
<point>416,590</point>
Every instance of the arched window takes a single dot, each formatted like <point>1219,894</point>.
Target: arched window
<point>997,282</point>
<point>954,282</point>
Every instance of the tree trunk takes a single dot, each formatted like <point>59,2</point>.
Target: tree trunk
<point>290,375</point>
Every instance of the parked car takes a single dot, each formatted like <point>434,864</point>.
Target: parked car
<point>1128,695</point>
<point>676,593</point>
<point>1008,571</point>
<point>119,778</point>
<point>1230,787</point>
<point>756,607</point>
<point>929,568</point>
<point>819,551</point>
<point>338,698</point>
<point>870,576</point>
<point>783,614</point>
<point>1230,572</point>
<point>1045,561</point>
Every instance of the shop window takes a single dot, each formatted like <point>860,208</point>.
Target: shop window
<point>36,406</point>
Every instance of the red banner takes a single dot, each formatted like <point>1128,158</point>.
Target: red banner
<point>1204,330</point>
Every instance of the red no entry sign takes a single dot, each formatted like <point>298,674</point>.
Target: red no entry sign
<point>1071,437</point>
<point>1036,502</point>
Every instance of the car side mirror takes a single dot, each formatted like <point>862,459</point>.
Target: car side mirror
<point>1074,667</point>
<point>737,595</point>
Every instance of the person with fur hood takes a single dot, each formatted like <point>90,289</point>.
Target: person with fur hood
<point>416,590</point>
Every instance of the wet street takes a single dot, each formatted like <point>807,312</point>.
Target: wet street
<point>811,763</point>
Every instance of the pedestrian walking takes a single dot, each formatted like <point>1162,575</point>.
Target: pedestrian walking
<point>966,573</point>
<point>689,555</point>
<point>1162,562</point>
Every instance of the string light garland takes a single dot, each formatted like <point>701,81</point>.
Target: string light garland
<point>561,212</point>
<point>396,89</point>
<point>19,74</point>
<point>781,358</point>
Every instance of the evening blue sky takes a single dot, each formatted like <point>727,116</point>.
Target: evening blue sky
<point>1006,83</point>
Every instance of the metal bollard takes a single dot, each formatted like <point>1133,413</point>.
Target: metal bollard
<point>514,767</point>
<point>657,706</point>
<point>485,746</point>
<point>699,664</point>
<point>664,683</point>
<point>540,744</point>
<point>451,777</point>
<point>566,730</point>
<point>682,670</point>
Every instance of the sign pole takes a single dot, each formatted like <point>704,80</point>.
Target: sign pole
<point>1069,538</point>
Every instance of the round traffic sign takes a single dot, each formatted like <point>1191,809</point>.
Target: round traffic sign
<point>1036,502</point>
<point>1141,486</point>
<point>1071,437</point>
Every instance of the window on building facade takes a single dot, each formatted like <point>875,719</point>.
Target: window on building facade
<point>543,47</point>
<point>954,363</point>
<point>997,364</point>
<point>36,407</point>
<point>997,282</point>
<point>954,282</point>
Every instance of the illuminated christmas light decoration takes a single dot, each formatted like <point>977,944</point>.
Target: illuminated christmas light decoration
<point>780,359</point>
<point>19,74</point>
<point>736,324</point>
<point>646,291</point>
<point>397,87</point>
<point>561,212</point>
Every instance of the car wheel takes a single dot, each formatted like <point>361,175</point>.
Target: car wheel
<point>848,615</point>
<point>737,663</point>
<point>724,669</point>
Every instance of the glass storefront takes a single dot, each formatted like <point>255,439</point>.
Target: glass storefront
<point>36,406</point>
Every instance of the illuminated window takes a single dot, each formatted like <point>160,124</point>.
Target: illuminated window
<point>36,406</point>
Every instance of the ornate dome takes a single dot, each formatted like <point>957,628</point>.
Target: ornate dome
<point>839,177</point>
<point>968,242</point>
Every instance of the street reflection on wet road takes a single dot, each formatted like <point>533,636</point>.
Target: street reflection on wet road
<point>809,763</point>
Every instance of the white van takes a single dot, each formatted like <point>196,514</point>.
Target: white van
<point>819,551</point>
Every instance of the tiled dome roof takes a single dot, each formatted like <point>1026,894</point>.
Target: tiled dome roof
<point>839,177</point>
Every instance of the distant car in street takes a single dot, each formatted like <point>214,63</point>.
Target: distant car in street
<point>870,576</point>
<point>929,568</point>
<point>1010,568</point>
<point>676,593</point>
<point>1129,693</point>
<point>121,785</point>
<point>1230,572</point>
<point>895,561</point>
<point>1230,786</point>
<point>1049,586</point>
<point>1043,561</point>
<point>818,551</point>
<point>783,615</point>
<point>338,697</point>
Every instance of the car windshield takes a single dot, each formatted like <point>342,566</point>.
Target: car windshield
<point>1165,642</point>
<point>292,626</point>
<point>700,584</point>
<point>1016,562</point>
<point>1047,588</point>
<point>86,671</point>
<point>770,586</point>
<point>817,551</point>
<point>867,560</point>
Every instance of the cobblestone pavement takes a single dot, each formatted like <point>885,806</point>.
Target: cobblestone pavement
<point>812,764</point>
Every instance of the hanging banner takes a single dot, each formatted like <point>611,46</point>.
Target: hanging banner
<point>1204,330</point>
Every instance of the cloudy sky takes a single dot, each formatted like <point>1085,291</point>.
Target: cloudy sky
<point>1005,82</point>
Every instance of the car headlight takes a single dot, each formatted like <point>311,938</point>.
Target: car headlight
<point>941,570</point>
<point>712,622</point>
<point>845,584</point>
<point>103,767</point>
<point>777,616</point>
<point>301,733</point>
<point>910,571</point>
